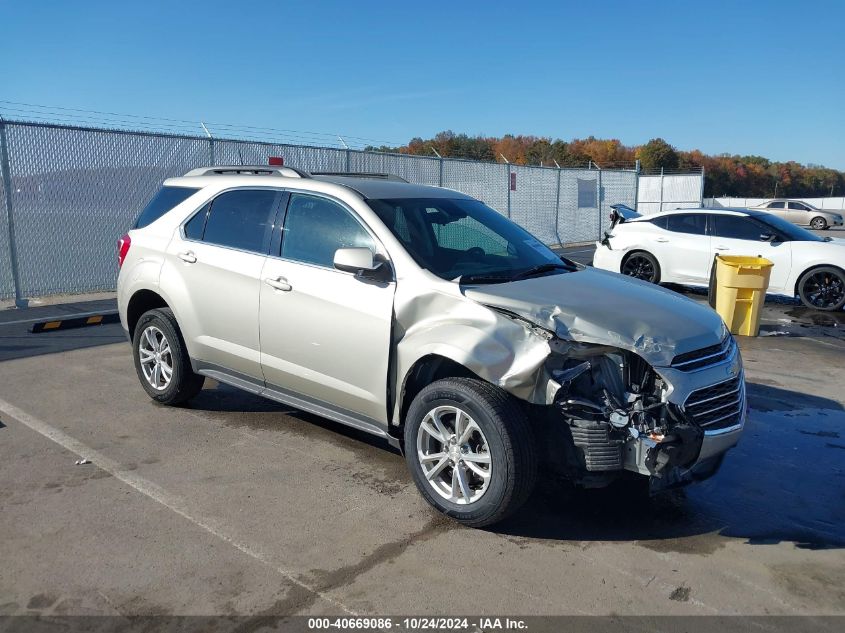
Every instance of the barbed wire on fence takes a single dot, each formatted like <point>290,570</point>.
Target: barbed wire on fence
<point>136,122</point>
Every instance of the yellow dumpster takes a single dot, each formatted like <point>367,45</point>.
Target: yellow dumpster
<point>741,284</point>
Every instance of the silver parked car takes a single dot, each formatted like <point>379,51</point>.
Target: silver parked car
<point>420,315</point>
<point>801,213</point>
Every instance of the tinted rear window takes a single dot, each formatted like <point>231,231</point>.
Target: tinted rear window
<point>162,202</point>
<point>693,223</point>
<point>242,219</point>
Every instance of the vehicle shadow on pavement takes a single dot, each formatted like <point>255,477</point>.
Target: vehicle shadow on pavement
<point>784,482</point>
<point>245,410</point>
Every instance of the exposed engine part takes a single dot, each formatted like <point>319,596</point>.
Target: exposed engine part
<point>613,403</point>
<point>601,452</point>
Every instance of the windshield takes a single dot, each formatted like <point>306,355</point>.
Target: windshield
<point>788,229</point>
<point>465,240</point>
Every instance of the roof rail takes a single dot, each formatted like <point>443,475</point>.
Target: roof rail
<point>360,174</point>
<point>254,170</point>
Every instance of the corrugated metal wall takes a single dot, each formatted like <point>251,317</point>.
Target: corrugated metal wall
<point>661,192</point>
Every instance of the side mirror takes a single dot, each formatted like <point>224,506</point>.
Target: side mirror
<point>768,237</point>
<point>356,260</point>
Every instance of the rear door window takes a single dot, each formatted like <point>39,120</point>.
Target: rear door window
<point>162,202</point>
<point>241,219</point>
<point>776,205</point>
<point>738,227</point>
<point>692,223</point>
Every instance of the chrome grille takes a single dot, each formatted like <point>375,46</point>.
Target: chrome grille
<point>718,406</point>
<point>706,356</point>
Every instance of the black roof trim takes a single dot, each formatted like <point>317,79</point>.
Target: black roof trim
<point>360,174</point>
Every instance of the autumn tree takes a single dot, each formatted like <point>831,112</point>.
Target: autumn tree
<point>658,154</point>
<point>725,174</point>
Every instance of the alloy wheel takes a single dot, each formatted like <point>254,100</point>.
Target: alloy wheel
<point>639,267</point>
<point>156,358</point>
<point>818,224</point>
<point>824,289</point>
<point>454,455</point>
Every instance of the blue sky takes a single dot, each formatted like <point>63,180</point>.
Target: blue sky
<point>765,77</point>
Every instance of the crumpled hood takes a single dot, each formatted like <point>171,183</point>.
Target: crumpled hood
<point>596,306</point>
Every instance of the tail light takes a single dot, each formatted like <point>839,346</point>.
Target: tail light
<point>123,245</point>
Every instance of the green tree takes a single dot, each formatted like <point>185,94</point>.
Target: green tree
<point>657,154</point>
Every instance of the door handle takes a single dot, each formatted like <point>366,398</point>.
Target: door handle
<point>661,239</point>
<point>188,257</point>
<point>279,283</point>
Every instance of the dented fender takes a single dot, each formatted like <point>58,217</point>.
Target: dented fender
<point>505,351</point>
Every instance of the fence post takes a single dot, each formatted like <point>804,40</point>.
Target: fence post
<point>508,185</point>
<point>661,190</point>
<point>557,210</point>
<point>348,163</point>
<point>441,171</point>
<point>20,302</point>
<point>636,184</point>
<point>210,144</point>
<point>599,200</point>
<point>701,195</point>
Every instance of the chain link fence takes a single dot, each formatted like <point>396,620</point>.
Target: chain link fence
<point>68,193</point>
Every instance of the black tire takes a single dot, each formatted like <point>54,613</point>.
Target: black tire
<point>184,384</point>
<point>823,288</point>
<point>509,442</point>
<point>818,223</point>
<point>641,265</point>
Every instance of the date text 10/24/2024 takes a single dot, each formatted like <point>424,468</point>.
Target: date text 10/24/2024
<point>417,624</point>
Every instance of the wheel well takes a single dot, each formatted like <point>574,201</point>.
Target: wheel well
<point>634,252</point>
<point>424,372</point>
<point>141,302</point>
<point>812,268</point>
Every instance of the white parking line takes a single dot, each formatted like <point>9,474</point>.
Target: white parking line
<point>156,493</point>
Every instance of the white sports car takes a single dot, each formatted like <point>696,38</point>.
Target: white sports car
<point>679,246</point>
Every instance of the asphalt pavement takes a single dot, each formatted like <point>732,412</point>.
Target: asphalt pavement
<point>238,505</point>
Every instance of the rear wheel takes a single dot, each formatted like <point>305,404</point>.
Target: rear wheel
<point>161,359</point>
<point>819,223</point>
<point>470,450</point>
<point>642,265</point>
<point>823,288</point>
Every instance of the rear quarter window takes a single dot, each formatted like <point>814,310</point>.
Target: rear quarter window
<point>162,202</point>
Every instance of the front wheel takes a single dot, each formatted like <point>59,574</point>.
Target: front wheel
<point>820,224</point>
<point>470,450</point>
<point>823,288</point>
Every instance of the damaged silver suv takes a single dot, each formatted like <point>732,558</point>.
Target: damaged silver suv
<point>421,315</point>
